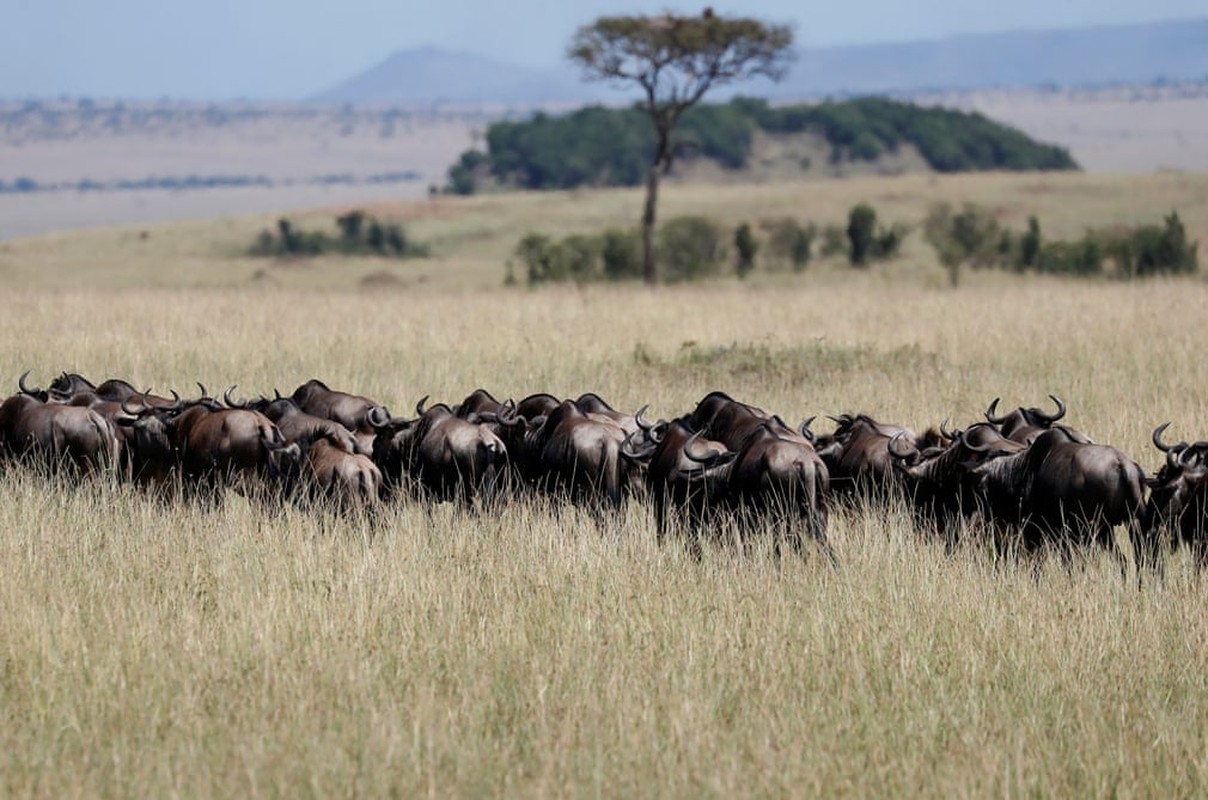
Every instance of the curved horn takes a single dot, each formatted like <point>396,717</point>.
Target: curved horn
<point>25,389</point>
<point>204,391</point>
<point>642,424</point>
<point>419,407</point>
<point>901,455</point>
<point>804,430</point>
<point>377,417</point>
<point>1051,418</point>
<point>945,432</point>
<point>990,417</point>
<point>1158,443</point>
<point>697,457</point>
<point>133,412</point>
<point>276,393</point>
<point>635,455</point>
<point>226,398</point>
<point>507,416</point>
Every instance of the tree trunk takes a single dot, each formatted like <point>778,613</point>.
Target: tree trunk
<point>662,159</point>
<point>649,269</point>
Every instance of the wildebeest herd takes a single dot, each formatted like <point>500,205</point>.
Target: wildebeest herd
<point>1023,478</point>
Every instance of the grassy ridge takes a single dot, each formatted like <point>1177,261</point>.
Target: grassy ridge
<point>149,649</point>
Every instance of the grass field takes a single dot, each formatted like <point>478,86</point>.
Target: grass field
<point>160,650</point>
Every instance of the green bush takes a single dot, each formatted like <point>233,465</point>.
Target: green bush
<point>745,248</point>
<point>861,234</point>
<point>621,254</point>
<point>689,248</point>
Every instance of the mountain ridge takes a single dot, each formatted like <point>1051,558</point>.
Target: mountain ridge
<point>1027,57</point>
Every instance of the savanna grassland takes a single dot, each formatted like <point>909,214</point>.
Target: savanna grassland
<point>156,649</point>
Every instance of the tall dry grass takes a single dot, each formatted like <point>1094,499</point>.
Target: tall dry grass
<point>157,649</point>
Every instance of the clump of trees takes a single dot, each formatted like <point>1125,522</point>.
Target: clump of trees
<point>357,233</point>
<point>598,146</point>
<point>973,237</point>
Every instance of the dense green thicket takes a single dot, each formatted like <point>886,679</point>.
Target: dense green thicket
<point>357,234</point>
<point>598,146</point>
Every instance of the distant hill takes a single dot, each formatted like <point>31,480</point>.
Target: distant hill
<point>1140,53</point>
<point>428,76</point>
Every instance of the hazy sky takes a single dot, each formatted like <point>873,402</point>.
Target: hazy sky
<point>219,49</point>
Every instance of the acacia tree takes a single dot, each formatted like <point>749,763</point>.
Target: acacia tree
<point>675,60</point>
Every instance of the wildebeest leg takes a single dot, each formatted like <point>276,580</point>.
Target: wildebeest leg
<point>1147,550</point>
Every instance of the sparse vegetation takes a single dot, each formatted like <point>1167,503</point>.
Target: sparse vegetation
<point>973,237</point>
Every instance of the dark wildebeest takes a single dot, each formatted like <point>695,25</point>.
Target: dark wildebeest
<point>572,452</point>
<point>1177,509</point>
<point>297,426</point>
<point>350,410</point>
<point>477,402</point>
<point>937,479</point>
<point>212,447</point>
<point>671,480</point>
<point>769,480</point>
<point>538,405</point>
<point>54,433</point>
<point>69,387</point>
<point>1064,492</point>
<point>1025,424</point>
<point>450,457</point>
<point>858,458</point>
<point>727,420</point>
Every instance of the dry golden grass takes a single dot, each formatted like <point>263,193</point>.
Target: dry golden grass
<point>151,650</point>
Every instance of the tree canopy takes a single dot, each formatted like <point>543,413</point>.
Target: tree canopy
<point>676,60</point>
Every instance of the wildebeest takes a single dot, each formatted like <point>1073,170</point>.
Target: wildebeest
<point>450,457</point>
<point>211,446</point>
<point>297,426</point>
<point>477,402</point>
<point>1064,492</point>
<point>569,451</point>
<point>1025,424</point>
<point>672,479</point>
<point>329,471</point>
<point>1178,504</point>
<point>769,480</point>
<point>54,434</point>
<point>858,458</point>
<point>937,480</point>
<point>350,410</point>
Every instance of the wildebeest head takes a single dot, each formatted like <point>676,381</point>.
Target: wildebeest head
<point>1025,424</point>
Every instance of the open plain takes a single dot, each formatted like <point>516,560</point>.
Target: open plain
<point>159,649</point>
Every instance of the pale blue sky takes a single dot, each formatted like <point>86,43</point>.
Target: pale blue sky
<point>285,49</point>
